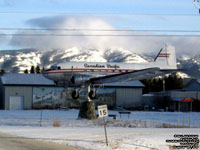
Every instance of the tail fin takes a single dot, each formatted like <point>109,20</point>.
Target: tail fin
<point>166,58</point>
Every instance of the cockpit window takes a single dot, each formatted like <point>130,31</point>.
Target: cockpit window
<point>53,67</point>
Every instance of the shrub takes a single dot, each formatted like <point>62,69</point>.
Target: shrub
<point>56,123</point>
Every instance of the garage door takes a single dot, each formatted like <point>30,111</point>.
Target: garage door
<point>16,102</point>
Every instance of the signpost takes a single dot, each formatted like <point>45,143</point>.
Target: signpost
<point>41,113</point>
<point>103,112</point>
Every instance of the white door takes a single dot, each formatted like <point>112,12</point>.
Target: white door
<point>16,102</point>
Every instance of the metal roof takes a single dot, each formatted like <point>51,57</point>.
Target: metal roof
<point>125,84</point>
<point>25,79</point>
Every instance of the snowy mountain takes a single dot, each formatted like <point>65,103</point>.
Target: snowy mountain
<point>19,60</point>
<point>190,65</point>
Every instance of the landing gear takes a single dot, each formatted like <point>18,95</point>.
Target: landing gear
<point>75,94</point>
<point>93,92</point>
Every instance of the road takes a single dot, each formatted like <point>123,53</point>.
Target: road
<point>8,142</point>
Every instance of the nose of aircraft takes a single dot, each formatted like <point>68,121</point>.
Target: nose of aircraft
<point>49,74</point>
<point>46,74</point>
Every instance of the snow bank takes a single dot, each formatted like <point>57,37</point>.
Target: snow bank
<point>142,130</point>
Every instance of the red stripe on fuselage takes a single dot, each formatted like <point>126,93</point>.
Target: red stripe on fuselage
<point>63,70</point>
<point>123,70</point>
<point>89,70</point>
<point>95,70</point>
<point>116,71</point>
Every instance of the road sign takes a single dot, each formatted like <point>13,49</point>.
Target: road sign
<point>103,111</point>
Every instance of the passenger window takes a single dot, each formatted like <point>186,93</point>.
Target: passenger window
<point>59,68</point>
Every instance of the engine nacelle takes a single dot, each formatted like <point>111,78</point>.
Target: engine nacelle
<point>75,94</point>
<point>80,79</point>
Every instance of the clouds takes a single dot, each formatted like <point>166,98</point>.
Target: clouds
<point>64,42</point>
<point>138,44</point>
<point>183,44</point>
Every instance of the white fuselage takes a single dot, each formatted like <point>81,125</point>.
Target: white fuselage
<point>165,60</point>
<point>65,71</point>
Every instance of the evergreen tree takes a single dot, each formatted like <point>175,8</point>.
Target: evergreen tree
<point>172,82</point>
<point>169,82</point>
<point>37,69</point>
<point>2,71</point>
<point>32,70</point>
<point>26,71</point>
<point>160,84</point>
<point>146,87</point>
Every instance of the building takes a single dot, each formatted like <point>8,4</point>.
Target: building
<point>128,94</point>
<point>187,99</point>
<point>155,101</point>
<point>190,92</point>
<point>181,104</point>
<point>26,91</point>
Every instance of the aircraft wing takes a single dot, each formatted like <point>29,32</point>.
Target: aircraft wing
<point>135,75</point>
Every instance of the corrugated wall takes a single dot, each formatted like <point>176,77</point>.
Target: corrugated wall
<point>25,91</point>
<point>127,97</point>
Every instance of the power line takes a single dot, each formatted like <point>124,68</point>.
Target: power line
<point>110,30</point>
<point>99,35</point>
<point>69,29</point>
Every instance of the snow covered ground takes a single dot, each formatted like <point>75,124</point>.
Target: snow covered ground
<point>142,130</point>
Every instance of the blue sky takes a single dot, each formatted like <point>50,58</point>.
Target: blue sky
<point>149,15</point>
<point>116,6</point>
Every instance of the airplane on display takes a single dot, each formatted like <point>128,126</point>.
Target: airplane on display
<point>92,73</point>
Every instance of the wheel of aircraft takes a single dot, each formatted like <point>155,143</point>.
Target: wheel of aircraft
<point>75,94</point>
<point>92,94</point>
